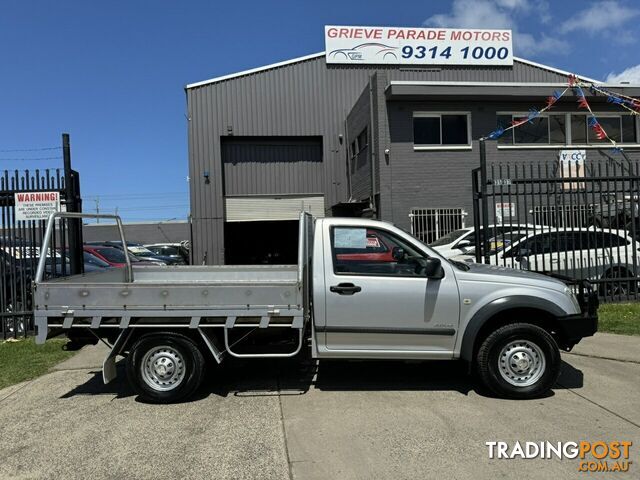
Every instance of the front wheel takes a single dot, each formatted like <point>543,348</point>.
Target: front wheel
<point>165,367</point>
<point>519,361</point>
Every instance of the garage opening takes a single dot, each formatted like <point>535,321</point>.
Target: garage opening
<point>261,243</point>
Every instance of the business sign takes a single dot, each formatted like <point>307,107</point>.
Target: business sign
<point>572,166</point>
<point>417,46</point>
<point>36,205</point>
<point>504,210</point>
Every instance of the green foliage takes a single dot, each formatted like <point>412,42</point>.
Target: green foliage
<point>23,360</point>
<point>622,318</point>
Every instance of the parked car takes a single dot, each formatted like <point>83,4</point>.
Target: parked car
<point>592,253</point>
<point>115,257</point>
<point>93,263</point>
<point>460,241</point>
<point>496,244</point>
<point>16,275</point>
<point>139,251</point>
<point>177,251</point>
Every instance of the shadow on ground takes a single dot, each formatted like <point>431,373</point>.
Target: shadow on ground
<point>295,377</point>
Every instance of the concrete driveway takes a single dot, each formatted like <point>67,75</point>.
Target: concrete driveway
<point>338,420</point>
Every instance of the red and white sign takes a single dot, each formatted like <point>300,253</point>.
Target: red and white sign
<point>36,205</point>
<point>504,210</point>
<point>417,46</point>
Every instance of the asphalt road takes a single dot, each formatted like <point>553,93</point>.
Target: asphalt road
<point>339,420</point>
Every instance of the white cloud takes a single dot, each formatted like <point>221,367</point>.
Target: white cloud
<point>600,16</point>
<point>498,14</point>
<point>631,75</point>
<point>472,14</point>
<point>513,4</point>
<point>528,44</point>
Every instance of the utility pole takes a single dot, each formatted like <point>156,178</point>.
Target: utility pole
<point>73,203</point>
<point>97,202</point>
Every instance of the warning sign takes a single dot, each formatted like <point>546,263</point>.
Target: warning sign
<point>36,205</point>
<point>504,210</point>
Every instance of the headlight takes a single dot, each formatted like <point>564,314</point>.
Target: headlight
<point>571,294</point>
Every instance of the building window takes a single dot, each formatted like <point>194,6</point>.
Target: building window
<point>354,152</point>
<point>363,140</point>
<point>544,130</point>
<point>441,129</point>
<point>620,128</point>
<point>567,129</point>
<point>429,224</point>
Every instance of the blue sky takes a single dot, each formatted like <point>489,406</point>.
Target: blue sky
<point>112,73</point>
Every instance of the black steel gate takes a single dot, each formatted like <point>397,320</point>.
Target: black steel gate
<point>573,217</point>
<point>20,240</point>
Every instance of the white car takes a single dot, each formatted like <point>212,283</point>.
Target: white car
<point>461,241</point>
<point>592,253</point>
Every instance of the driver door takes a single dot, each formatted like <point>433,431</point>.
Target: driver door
<point>378,297</point>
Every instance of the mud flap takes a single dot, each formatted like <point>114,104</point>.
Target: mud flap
<point>109,372</point>
<point>42,329</point>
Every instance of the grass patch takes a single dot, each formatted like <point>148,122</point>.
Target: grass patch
<point>622,318</point>
<point>24,360</point>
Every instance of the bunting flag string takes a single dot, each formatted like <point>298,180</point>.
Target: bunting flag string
<point>628,103</point>
<point>592,121</point>
<point>533,113</point>
<point>577,86</point>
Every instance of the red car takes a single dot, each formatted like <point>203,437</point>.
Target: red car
<point>113,256</point>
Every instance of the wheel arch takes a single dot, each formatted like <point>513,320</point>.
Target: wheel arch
<point>502,311</point>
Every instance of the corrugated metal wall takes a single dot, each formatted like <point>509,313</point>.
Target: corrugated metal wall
<point>307,98</point>
<point>262,208</point>
<point>264,166</point>
<point>358,120</point>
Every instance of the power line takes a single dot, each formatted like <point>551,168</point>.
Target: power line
<point>28,159</point>
<point>158,207</point>
<point>43,149</point>
<point>135,195</point>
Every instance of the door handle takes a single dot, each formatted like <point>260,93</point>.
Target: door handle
<point>345,289</point>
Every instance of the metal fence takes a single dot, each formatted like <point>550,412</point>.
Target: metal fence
<point>429,224</point>
<point>576,218</point>
<point>20,242</point>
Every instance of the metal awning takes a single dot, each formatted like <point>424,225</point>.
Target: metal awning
<point>407,90</point>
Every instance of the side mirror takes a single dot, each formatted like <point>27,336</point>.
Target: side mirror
<point>433,268</point>
<point>397,253</point>
<point>463,244</point>
<point>523,253</point>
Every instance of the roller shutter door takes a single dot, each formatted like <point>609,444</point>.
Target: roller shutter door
<point>261,208</point>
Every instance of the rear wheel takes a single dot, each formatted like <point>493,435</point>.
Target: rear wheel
<point>165,367</point>
<point>612,288</point>
<point>519,361</point>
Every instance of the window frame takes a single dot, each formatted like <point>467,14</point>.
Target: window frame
<point>357,274</point>
<point>438,114</point>
<point>568,136</point>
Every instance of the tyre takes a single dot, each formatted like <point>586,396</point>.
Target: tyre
<point>617,289</point>
<point>165,367</point>
<point>519,360</point>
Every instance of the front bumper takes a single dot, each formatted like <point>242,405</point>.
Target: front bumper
<point>572,328</point>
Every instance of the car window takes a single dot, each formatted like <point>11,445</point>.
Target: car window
<point>93,260</point>
<point>608,240</point>
<point>169,251</point>
<point>113,255</point>
<point>534,245</point>
<point>368,251</point>
<point>449,238</point>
